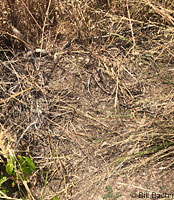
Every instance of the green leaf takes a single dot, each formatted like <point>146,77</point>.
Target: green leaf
<point>2,180</point>
<point>12,159</point>
<point>10,164</point>
<point>30,163</point>
<point>105,196</point>
<point>9,168</point>
<point>23,165</point>
<point>109,188</point>
<point>55,198</point>
<point>13,184</point>
<point>21,160</point>
<point>117,195</point>
<point>26,164</point>
<point>5,191</point>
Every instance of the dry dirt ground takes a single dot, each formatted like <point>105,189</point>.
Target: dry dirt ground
<point>94,104</point>
<point>88,122</point>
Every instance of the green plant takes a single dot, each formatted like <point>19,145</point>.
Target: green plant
<point>55,198</point>
<point>16,170</point>
<point>110,194</point>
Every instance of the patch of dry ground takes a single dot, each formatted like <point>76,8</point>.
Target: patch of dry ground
<point>97,134</point>
<point>75,132</point>
<point>93,110</point>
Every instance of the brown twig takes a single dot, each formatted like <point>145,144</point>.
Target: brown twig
<point>131,27</point>
<point>31,15</point>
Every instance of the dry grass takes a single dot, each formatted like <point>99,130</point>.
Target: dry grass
<point>86,88</point>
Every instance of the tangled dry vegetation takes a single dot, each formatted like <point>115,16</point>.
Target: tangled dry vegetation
<point>86,89</point>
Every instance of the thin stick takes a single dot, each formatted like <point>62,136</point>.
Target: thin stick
<point>43,30</point>
<point>117,87</point>
<point>15,95</point>
<point>31,15</point>
<point>132,32</point>
<point>24,133</point>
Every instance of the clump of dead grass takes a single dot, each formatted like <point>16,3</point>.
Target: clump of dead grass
<point>4,148</point>
<point>7,141</point>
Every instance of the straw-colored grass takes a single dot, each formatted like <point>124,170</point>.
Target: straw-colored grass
<point>86,87</point>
